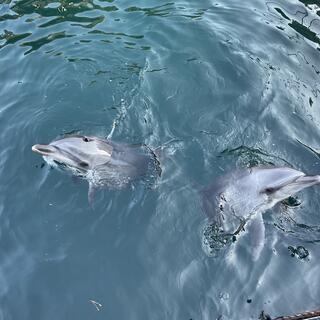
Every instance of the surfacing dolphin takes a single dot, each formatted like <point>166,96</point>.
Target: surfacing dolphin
<point>240,198</point>
<point>100,161</point>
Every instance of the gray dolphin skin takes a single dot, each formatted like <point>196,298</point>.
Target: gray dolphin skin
<point>241,197</point>
<point>100,161</point>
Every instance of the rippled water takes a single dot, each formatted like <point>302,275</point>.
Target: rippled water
<point>234,83</point>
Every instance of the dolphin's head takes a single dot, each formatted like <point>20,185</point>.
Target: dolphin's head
<point>79,153</point>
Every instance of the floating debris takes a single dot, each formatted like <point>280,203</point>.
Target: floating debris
<point>96,304</point>
<point>301,252</point>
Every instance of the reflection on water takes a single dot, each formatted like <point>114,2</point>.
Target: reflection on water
<point>307,18</point>
<point>250,157</point>
<point>234,84</point>
<point>85,14</point>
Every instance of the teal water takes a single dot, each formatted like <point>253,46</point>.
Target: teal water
<point>234,83</point>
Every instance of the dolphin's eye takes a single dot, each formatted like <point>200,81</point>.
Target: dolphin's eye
<point>269,190</point>
<point>85,139</point>
<point>83,164</point>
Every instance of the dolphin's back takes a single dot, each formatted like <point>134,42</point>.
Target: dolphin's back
<point>127,164</point>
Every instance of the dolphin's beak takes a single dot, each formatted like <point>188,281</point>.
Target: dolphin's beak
<point>43,149</point>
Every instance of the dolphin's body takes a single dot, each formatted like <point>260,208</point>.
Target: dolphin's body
<point>101,162</point>
<point>243,196</point>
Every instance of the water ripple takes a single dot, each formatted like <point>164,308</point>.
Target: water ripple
<point>213,86</point>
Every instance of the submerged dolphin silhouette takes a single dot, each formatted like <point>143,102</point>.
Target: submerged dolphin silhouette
<point>101,162</point>
<point>242,196</point>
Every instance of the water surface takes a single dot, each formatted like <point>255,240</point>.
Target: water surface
<point>234,83</point>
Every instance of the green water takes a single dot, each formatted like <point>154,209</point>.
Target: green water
<point>234,83</point>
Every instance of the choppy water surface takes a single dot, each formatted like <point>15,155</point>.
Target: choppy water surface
<point>235,83</point>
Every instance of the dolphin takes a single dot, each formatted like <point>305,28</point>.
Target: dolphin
<point>240,198</point>
<point>101,162</point>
